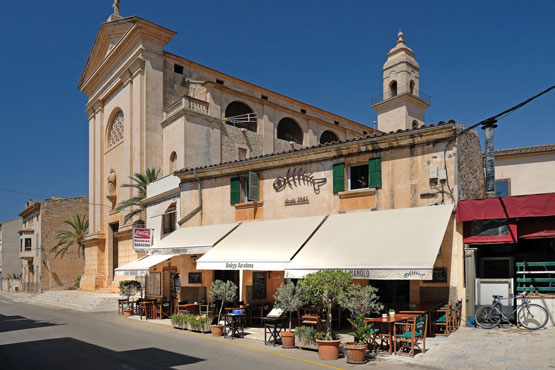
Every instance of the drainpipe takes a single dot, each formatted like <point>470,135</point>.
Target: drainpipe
<point>488,128</point>
<point>198,208</point>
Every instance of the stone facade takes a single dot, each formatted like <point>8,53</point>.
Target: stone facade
<point>173,113</point>
<point>11,264</point>
<point>37,236</point>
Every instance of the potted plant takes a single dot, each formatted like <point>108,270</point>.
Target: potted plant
<point>223,292</point>
<point>304,337</point>
<point>323,289</point>
<point>289,299</point>
<point>178,320</point>
<point>128,288</point>
<point>360,301</point>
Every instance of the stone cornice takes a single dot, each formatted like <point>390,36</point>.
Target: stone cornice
<point>404,97</point>
<point>139,31</point>
<point>525,150</point>
<point>420,136</point>
<point>162,196</point>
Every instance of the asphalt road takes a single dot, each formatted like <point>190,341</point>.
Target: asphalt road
<point>40,337</point>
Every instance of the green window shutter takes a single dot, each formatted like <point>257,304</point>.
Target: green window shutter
<point>254,187</point>
<point>375,172</point>
<point>235,187</point>
<point>338,177</point>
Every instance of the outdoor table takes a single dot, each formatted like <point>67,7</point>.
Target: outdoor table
<point>389,322</point>
<point>189,307</point>
<point>234,322</point>
<point>145,306</point>
<point>273,327</point>
<point>423,309</point>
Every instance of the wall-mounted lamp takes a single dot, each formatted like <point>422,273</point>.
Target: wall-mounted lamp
<point>194,259</point>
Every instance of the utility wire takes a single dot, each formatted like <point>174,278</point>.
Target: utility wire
<point>487,121</point>
<point>47,196</point>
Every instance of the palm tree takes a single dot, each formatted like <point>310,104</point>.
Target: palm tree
<point>76,235</point>
<point>141,180</point>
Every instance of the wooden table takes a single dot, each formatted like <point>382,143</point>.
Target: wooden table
<point>423,309</point>
<point>389,323</point>
<point>192,308</point>
<point>145,306</point>
<point>234,322</point>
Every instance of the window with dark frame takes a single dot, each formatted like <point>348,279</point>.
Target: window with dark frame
<point>27,244</point>
<point>178,69</point>
<point>358,177</point>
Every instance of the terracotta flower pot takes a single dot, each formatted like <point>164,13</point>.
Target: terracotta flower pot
<point>127,313</point>
<point>287,339</point>
<point>355,354</point>
<point>217,330</point>
<point>328,349</point>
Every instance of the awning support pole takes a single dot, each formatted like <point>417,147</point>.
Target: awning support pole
<point>240,285</point>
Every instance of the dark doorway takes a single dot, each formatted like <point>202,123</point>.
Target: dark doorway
<point>115,250</point>
<point>392,293</point>
<point>227,275</point>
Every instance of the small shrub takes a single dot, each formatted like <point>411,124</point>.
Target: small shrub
<point>77,283</point>
<point>305,334</point>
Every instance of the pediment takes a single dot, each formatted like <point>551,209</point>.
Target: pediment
<point>109,35</point>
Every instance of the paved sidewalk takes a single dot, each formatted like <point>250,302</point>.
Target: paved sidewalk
<point>473,348</point>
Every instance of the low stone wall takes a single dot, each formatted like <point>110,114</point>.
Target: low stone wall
<point>548,302</point>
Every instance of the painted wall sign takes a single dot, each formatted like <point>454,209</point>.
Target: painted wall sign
<point>195,277</point>
<point>296,201</point>
<point>238,265</point>
<point>142,238</point>
<point>298,177</point>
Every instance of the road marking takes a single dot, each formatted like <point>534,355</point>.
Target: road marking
<point>242,345</point>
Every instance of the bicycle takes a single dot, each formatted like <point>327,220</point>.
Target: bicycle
<point>530,315</point>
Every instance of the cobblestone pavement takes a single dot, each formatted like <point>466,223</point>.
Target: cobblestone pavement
<point>470,348</point>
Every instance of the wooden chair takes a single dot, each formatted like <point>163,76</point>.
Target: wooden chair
<point>208,309</point>
<point>413,332</point>
<point>443,319</point>
<point>164,309</point>
<point>313,320</point>
<point>457,315</point>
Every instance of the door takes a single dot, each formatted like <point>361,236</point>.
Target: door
<point>115,250</point>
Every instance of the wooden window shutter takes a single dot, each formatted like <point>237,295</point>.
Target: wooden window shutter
<point>235,193</point>
<point>375,172</point>
<point>338,177</point>
<point>254,187</point>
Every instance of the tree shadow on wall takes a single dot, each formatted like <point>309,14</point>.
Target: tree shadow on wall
<point>70,353</point>
<point>11,323</point>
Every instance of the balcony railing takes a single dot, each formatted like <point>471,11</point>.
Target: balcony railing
<point>186,102</point>
<point>400,91</point>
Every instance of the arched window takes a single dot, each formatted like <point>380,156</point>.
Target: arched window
<point>169,219</point>
<point>411,86</point>
<point>415,124</point>
<point>173,160</point>
<point>328,137</point>
<point>115,134</point>
<point>288,129</point>
<point>240,115</point>
<point>393,88</point>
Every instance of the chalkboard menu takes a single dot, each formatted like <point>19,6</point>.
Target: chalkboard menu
<point>439,274</point>
<point>259,285</point>
<point>195,277</point>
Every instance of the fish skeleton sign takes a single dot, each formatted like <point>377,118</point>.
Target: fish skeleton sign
<point>298,177</point>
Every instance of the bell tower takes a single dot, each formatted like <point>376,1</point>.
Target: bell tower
<point>402,104</point>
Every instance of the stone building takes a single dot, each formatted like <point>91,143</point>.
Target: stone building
<point>380,206</point>
<point>148,108</point>
<point>11,264</point>
<point>37,236</point>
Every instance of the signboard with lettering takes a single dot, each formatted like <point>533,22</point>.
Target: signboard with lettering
<point>195,277</point>
<point>142,238</point>
<point>439,274</point>
<point>259,285</point>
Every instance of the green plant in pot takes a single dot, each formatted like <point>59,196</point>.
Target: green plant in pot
<point>289,299</point>
<point>128,288</point>
<point>360,301</point>
<point>223,292</point>
<point>323,289</point>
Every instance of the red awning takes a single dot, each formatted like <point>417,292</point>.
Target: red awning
<point>509,238</point>
<point>537,205</point>
<point>536,228</point>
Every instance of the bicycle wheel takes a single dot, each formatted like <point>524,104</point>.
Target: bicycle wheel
<point>487,317</point>
<point>532,316</point>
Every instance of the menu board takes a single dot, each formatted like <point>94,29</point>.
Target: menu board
<point>154,284</point>
<point>259,285</point>
<point>195,277</point>
<point>439,274</point>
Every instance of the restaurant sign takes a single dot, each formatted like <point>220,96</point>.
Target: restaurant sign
<point>390,274</point>
<point>296,201</point>
<point>142,238</point>
<point>299,177</point>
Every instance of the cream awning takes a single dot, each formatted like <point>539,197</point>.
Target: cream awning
<point>400,244</point>
<point>140,267</point>
<point>193,239</point>
<point>260,245</point>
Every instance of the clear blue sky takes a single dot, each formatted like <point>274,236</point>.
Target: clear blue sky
<point>476,60</point>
